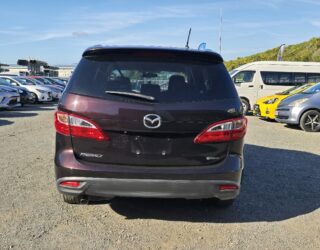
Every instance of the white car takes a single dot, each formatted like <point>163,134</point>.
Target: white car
<point>40,93</point>
<point>9,100</point>
<point>56,91</point>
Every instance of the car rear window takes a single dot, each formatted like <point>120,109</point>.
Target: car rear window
<point>167,81</point>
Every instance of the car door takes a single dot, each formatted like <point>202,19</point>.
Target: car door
<point>246,83</point>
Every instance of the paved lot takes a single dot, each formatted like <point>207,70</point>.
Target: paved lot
<point>278,207</point>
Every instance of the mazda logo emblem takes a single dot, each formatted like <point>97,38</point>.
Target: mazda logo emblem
<point>152,121</point>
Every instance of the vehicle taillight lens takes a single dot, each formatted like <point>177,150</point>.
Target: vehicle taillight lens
<point>223,131</point>
<point>77,126</point>
<point>70,184</point>
<point>228,187</point>
<point>61,122</point>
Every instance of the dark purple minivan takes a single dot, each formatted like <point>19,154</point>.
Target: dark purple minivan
<point>149,122</point>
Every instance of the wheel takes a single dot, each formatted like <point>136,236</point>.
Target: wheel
<point>245,106</point>
<point>34,98</point>
<point>310,121</point>
<point>71,199</point>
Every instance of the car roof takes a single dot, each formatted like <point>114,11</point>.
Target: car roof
<point>277,63</point>
<point>9,76</point>
<point>102,49</point>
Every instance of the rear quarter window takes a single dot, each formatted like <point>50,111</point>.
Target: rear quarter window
<point>166,81</point>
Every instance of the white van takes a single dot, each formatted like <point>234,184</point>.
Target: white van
<point>259,79</point>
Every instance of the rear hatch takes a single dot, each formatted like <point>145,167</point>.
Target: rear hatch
<point>151,105</point>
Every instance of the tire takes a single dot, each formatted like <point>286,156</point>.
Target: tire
<point>310,121</point>
<point>245,106</point>
<point>35,98</point>
<point>71,199</point>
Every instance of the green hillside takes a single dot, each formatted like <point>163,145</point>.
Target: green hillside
<point>307,51</point>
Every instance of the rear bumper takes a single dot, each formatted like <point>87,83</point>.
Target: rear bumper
<point>188,189</point>
<point>143,181</point>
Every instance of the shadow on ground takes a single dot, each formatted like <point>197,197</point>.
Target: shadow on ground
<point>16,114</point>
<point>21,111</point>
<point>278,185</point>
<point>268,120</point>
<point>5,122</point>
<point>38,107</point>
<point>293,126</point>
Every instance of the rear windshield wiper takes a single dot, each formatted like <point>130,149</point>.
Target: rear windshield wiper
<point>146,97</point>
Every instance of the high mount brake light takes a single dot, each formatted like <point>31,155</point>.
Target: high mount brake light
<point>223,131</point>
<point>77,126</point>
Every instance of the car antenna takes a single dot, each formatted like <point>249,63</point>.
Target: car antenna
<point>187,44</point>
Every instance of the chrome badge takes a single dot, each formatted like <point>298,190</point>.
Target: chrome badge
<point>91,155</point>
<point>152,121</point>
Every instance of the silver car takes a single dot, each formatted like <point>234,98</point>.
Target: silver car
<point>9,98</point>
<point>302,109</point>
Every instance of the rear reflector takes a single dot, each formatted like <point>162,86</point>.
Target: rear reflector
<point>223,131</point>
<point>228,187</point>
<point>73,184</point>
<point>77,126</point>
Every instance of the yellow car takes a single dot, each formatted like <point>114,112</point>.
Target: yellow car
<point>265,107</point>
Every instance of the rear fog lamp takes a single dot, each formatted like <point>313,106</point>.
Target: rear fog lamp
<point>72,184</point>
<point>228,187</point>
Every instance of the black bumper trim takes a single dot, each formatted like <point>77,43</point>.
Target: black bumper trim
<point>188,189</point>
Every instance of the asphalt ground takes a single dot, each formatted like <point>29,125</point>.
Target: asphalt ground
<point>278,207</point>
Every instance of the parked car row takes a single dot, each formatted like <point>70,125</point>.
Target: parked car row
<point>259,79</point>
<point>295,106</point>
<point>16,91</point>
<point>296,101</point>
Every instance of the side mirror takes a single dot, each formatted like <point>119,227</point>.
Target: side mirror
<point>236,81</point>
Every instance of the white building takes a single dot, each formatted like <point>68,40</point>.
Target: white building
<point>65,70</point>
<point>16,69</point>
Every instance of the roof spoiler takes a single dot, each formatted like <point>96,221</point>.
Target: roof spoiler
<point>173,53</point>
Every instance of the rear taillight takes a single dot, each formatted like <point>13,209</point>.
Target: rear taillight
<point>77,126</point>
<point>223,131</point>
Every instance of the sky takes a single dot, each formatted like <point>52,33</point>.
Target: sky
<point>59,31</point>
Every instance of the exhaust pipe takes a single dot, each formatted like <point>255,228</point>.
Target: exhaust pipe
<point>84,200</point>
